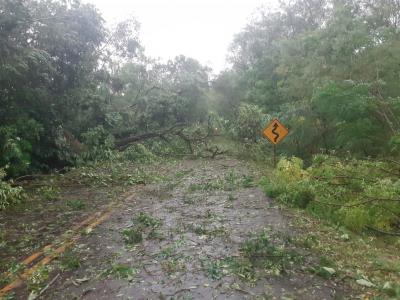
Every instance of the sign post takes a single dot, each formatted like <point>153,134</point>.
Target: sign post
<point>275,132</point>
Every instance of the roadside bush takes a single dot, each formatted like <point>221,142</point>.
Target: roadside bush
<point>248,123</point>
<point>9,195</point>
<point>358,194</point>
<point>355,219</point>
<point>16,146</point>
<point>99,144</point>
<point>302,197</point>
<point>139,153</point>
<point>272,188</point>
<point>289,183</point>
<point>163,148</point>
<point>259,151</point>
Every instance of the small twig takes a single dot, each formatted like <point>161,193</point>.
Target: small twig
<point>389,172</point>
<point>392,161</point>
<point>31,176</point>
<point>370,199</point>
<point>49,284</point>
<point>383,199</point>
<point>228,166</point>
<point>344,177</point>
<point>178,291</point>
<point>382,231</point>
<point>264,256</point>
<point>242,290</point>
<point>147,271</point>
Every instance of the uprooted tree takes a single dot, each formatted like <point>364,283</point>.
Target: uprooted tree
<point>59,83</point>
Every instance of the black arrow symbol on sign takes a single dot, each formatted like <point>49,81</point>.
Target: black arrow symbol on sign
<point>275,133</point>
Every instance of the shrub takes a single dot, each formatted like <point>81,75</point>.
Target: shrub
<point>258,152</point>
<point>139,153</point>
<point>302,197</point>
<point>271,187</point>
<point>16,146</point>
<point>99,144</point>
<point>289,183</point>
<point>355,219</point>
<point>248,124</point>
<point>9,195</point>
<point>355,193</point>
<point>49,193</point>
<point>132,236</point>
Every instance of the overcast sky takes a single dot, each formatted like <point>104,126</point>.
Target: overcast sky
<point>202,29</point>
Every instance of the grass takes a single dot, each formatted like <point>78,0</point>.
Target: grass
<point>326,268</point>
<point>76,204</point>
<point>38,279</point>
<point>9,296</point>
<point>132,236</point>
<point>247,181</point>
<point>156,235</point>
<point>171,262</point>
<point>109,173</point>
<point>353,256</point>
<point>188,200</point>
<point>48,193</point>
<point>12,269</point>
<point>147,220</point>
<point>180,174</point>
<point>239,266</point>
<point>210,215</point>
<point>173,265</point>
<point>231,198</point>
<point>207,186</point>
<point>166,252</point>
<point>214,269</point>
<point>229,182</point>
<point>141,224</point>
<point>258,253</point>
<point>260,250</point>
<point>307,241</point>
<point>69,261</point>
<point>200,230</point>
<point>242,268</point>
<point>211,232</point>
<point>122,271</point>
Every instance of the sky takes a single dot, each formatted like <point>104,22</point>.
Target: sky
<point>202,29</point>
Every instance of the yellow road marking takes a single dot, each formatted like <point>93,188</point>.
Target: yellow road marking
<point>54,251</point>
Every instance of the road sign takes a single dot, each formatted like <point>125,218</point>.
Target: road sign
<point>275,132</point>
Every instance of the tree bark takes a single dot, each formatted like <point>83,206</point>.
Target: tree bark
<point>123,143</point>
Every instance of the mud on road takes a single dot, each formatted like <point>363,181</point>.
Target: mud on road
<point>206,232</point>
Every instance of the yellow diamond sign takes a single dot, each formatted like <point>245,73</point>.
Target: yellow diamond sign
<point>275,132</point>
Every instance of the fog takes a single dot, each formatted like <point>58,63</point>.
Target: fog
<point>202,29</point>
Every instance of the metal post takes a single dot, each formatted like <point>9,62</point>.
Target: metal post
<point>274,156</point>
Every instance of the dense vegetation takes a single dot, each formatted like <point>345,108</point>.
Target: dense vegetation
<point>328,69</point>
<point>359,194</point>
<point>67,93</point>
<point>86,114</point>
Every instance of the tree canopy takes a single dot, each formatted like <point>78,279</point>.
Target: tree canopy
<point>329,69</point>
<point>63,74</point>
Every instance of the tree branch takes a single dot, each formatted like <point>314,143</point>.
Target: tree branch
<point>126,142</point>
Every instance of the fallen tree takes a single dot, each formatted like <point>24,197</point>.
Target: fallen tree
<point>124,143</point>
<point>193,140</point>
